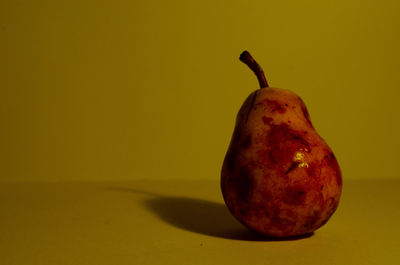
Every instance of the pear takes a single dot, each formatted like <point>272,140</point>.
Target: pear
<point>279,177</point>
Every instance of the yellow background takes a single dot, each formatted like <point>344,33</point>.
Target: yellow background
<point>125,90</point>
<point>130,95</point>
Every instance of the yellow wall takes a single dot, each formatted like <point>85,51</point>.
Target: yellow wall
<point>108,90</point>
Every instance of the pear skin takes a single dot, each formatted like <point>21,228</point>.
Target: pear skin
<point>279,177</point>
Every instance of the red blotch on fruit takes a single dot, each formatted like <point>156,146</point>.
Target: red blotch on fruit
<point>275,106</point>
<point>294,195</point>
<point>267,120</point>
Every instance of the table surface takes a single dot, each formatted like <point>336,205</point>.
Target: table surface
<point>183,222</point>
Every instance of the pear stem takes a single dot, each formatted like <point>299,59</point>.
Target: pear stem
<point>246,58</point>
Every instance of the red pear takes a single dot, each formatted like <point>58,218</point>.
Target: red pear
<point>279,177</point>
